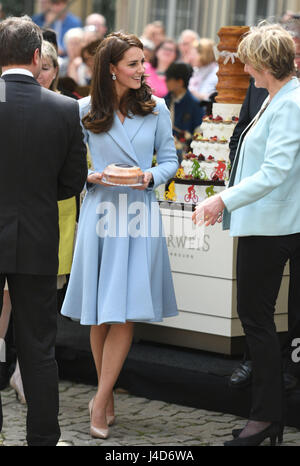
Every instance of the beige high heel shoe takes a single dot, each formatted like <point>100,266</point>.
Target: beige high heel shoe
<point>110,420</point>
<point>94,431</point>
<point>16,383</point>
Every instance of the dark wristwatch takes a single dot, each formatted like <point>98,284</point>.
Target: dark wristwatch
<point>151,184</point>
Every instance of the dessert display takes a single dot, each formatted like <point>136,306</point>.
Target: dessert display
<point>182,143</point>
<point>233,81</point>
<point>123,175</point>
<point>205,167</point>
<point>208,158</point>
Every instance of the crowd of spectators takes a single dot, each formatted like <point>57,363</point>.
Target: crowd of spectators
<point>77,42</point>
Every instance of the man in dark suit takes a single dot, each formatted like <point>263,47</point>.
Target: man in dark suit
<point>252,104</point>
<point>43,160</point>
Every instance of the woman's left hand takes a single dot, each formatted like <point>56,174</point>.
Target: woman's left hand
<point>209,211</point>
<point>147,178</point>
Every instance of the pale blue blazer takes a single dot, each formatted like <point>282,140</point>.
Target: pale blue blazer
<point>135,142</point>
<point>265,197</point>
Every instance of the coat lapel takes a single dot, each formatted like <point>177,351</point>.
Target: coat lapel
<point>132,125</point>
<point>119,134</point>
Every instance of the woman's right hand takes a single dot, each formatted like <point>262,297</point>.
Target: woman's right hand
<point>96,178</point>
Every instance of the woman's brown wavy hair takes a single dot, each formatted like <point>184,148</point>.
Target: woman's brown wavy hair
<point>103,94</point>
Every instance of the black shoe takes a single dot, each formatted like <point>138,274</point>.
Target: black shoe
<point>4,375</point>
<point>241,376</point>
<point>273,432</point>
<point>290,381</point>
<point>236,433</point>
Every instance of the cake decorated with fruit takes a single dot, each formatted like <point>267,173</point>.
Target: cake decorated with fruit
<point>207,160</point>
<point>210,147</point>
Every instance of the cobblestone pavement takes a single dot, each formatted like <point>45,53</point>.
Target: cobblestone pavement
<point>139,422</point>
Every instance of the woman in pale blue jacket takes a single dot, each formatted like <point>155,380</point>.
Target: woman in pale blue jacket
<point>262,208</point>
<point>121,272</point>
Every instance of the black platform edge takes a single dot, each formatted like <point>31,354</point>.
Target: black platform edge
<point>202,389</point>
<point>198,182</point>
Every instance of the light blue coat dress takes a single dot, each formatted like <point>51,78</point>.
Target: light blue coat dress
<point>121,270</point>
<point>265,197</point>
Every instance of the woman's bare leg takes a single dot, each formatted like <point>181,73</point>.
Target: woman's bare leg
<point>97,337</point>
<point>114,352</point>
<point>5,314</point>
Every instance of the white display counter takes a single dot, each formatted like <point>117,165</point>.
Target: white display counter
<point>204,273</point>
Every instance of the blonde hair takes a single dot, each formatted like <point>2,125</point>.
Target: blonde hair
<point>77,33</point>
<point>205,49</point>
<point>49,52</point>
<point>269,47</point>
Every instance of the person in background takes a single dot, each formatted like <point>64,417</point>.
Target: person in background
<point>90,34</point>
<point>71,65</point>
<point>66,86</point>
<point>155,32</point>
<point>57,16</point>
<point>186,43</point>
<point>149,49</point>
<point>50,36</point>
<point>204,80</point>
<point>186,113</point>
<point>43,8</point>
<point>98,22</point>
<point>120,277</point>
<point>289,15</point>
<point>48,76</point>
<point>67,209</point>
<point>293,27</point>
<point>88,57</point>
<point>155,71</point>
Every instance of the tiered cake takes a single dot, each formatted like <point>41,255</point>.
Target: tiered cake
<point>205,168</point>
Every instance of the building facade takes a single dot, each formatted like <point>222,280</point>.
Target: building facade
<point>204,16</point>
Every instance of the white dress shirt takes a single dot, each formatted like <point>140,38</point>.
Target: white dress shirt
<point>18,71</point>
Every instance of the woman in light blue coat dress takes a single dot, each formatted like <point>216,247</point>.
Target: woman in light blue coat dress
<point>121,272</point>
<point>261,207</point>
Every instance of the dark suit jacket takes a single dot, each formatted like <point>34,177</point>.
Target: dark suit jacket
<point>43,160</point>
<point>254,99</point>
<point>188,112</point>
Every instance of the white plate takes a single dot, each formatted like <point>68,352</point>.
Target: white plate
<point>126,185</point>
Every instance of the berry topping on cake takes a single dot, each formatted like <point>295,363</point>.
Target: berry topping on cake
<point>218,119</point>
